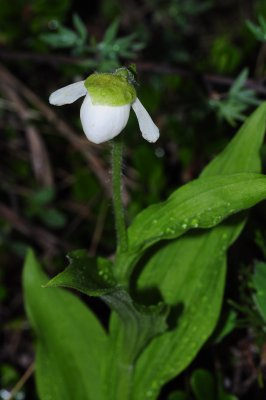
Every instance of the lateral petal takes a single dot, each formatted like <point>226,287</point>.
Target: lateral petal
<point>149,130</point>
<point>68,94</point>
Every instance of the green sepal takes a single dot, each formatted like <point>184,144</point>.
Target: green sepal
<point>110,89</point>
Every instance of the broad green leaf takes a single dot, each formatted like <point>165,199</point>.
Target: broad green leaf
<point>202,203</point>
<point>243,152</point>
<point>139,324</point>
<point>93,277</point>
<point>71,343</point>
<point>259,281</point>
<point>203,385</point>
<point>194,288</point>
<point>190,273</point>
<point>241,155</point>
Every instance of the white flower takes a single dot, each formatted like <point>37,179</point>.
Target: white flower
<point>105,110</point>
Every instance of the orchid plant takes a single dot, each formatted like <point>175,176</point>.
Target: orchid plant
<point>146,343</point>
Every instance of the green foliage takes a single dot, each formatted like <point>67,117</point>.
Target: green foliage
<point>35,15</point>
<point>165,293</point>
<point>178,395</point>
<point>95,278</point>
<point>8,375</point>
<point>205,388</point>
<point>232,106</point>
<point>67,38</point>
<point>249,314</point>
<point>260,241</point>
<point>203,385</point>
<point>199,204</point>
<point>189,273</point>
<point>224,56</point>
<point>259,31</point>
<point>180,11</point>
<point>259,281</point>
<point>39,206</point>
<point>106,53</point>
<point>226,325</point>
<point>88,275</point>
<point>72,345</point>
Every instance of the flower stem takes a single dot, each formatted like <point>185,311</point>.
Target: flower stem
<point>117,196</point>
<point>125,367</point>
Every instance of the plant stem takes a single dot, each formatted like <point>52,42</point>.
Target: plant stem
<point>117,196</point>
<point>124,388</point>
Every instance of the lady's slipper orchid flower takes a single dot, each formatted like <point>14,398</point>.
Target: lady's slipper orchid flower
<point>105,110</point>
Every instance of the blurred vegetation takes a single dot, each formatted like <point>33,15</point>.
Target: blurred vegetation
<point>201,69</point>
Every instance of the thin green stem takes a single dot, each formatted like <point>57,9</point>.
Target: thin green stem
<point>125,367</point>
<point>117,196</point>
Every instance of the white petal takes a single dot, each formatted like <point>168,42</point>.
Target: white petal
<point>148,128</point>
<point>68,94</point>
<point>101,123</point>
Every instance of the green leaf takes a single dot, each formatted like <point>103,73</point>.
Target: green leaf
<point>178,395</point>
<point>239,82</point>
<point>42,197</point>
<point>182,211</point>
<point>63,38</point>
<point>111,32</point>
<point>259,281</point>
<point>202,203</point>
<point>226,325</point>
<point>203,385</point>
<point>71,343</point>
<point>243,152</point>
<point>80,28</point>
<point>137,325</point>
<point>86,274</point>
<point>190,273</point>
<point>93,277</point>
<point>232,106</point>
<point>259,31</point>
<point>53,218</point>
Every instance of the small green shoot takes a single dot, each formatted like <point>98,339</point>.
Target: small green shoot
<point>232,106</point>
